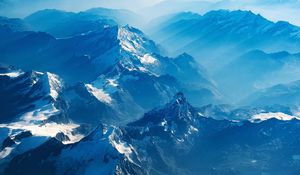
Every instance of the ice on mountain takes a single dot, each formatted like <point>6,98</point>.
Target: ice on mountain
<point>278,115</point>
<point>99,94</point>
<point>148,59</point>
<point>12,74</point>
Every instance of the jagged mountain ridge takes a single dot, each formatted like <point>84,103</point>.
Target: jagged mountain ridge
<point>111,63</point>
<point>281,94</point>
<point>67,24</point>
<point>22,92</point>
<point>14,23</point>
<point>256,70</point>
<point>223,34</point>
<point>175,128</point>
<point>33,111</point>
<point>129,76</point>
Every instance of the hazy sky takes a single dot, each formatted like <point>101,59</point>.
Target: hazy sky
<point>288,10</point>
<point>20,8</point>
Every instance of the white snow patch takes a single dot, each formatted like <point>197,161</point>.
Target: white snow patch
<point>127,46</point>
<point>112,82</point>
<point>143,69</point>
<point>86,33</point>
<point>129,41</point>
<point>108,85</point>
<point>12,74</point>
<point>94,151</point>
<point>122,147</point>
<point>148,59</point>
<point>253,161</point>
<point>55,85</point>
<point>99,94</point>
<point>192,129</point>
<point>40,114</point>
<point>200,114</point>
<point>5,152</point>
<point>180,140</point>
<point>163,123</point>
<point>278,115</point>
<point>34,122</point>
<point>46,130</point>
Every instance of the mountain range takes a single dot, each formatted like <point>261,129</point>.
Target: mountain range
<point>147,146</point>
<point>255,70</point>
<point>110,69</point>
<point>88,93</point>
<point>223,35</point>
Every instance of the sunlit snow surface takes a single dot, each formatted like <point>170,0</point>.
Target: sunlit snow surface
<point>148,59</point>
<point>36,121</point>
<point>99,94</point>
<point>138,46</point>
<point>55,84</point>
<point>12,74</point>
<point>278,115</point>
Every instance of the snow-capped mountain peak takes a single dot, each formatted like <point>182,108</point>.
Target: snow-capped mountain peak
<point>13,74</point>
<point>178,118</point>
<point>180,107</point>
<point>179,98</point>
<point>272,115</point>
<point>53,83</point>
<point>98,93</point>
<point>133,40</point>
<point>138,49</point>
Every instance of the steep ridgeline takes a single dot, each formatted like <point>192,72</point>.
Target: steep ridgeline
<point>233,113</point>
<point>163,7</point>
<point>66,24</point>
<point>32,111</point>
<point>121,70</point>
<point>281,94</point>
<point>219,36</point>
<point>15,24</point>
<point>29,94</point>
<point>256,70</point>
<point>101,152</point>
<point>173,139</point>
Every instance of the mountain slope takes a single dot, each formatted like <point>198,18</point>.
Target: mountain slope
<point>120,64</point>
<point>224,35</point>
<point>106,155</point>
<point>14,23</point>
<point>22,92</point>
<point>256,70</point>
<point>283,94</point>
<point>175,139</point>
<point>163,7</point>
<point>66,24</point>
<point>32,111</point>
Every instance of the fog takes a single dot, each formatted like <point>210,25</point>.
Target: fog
<point>276,10</point>
<point>21,8</point>
<point>287,10</point>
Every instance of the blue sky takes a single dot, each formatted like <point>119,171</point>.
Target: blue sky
<point>288,10</point>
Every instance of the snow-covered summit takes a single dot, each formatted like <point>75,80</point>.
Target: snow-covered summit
<point>53,84</point>
<point>178,119</point>
<point>272,115</point>
<point>179,99</point>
